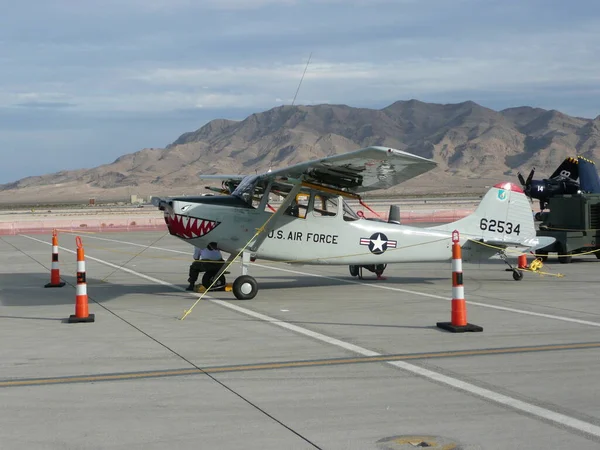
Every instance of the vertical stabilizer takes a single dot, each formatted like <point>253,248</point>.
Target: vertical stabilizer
<point>503,215</point>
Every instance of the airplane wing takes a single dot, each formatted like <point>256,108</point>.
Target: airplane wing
<point>222,177</point>
<point>362,170</point>
<point>228,182</point>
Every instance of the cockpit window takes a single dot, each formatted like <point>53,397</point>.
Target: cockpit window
<point>245,189</point>
<point>349,214</point>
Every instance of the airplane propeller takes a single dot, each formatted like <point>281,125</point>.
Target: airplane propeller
<point>526,183</point>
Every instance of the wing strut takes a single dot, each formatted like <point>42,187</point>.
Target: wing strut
<point>270,224</point>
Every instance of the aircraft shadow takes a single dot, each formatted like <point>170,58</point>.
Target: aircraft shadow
<point>27,289</point>
<point>314,282</point>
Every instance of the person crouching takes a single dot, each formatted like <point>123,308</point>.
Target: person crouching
<point>202,263</point>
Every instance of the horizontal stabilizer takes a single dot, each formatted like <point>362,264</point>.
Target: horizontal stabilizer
<point>532,244</point>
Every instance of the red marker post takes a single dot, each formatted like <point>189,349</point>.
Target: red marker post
<point>459,322</point>
<point>81,297</point>
<point>55,270</point>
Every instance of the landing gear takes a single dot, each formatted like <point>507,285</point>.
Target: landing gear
<point>517,274</point>
<point>245,287</point>
<point>377,269</point>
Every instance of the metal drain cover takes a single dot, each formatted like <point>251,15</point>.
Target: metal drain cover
<point>414,442</point>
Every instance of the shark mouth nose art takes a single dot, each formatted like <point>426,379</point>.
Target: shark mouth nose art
<point>189,227</point>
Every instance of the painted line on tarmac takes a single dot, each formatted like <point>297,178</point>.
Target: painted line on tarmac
<point>440,297</point>
<point>122,376</point>
<point>388,288</point>
<point>483,393</point>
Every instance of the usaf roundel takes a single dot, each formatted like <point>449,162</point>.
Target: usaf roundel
<point>378,243</point>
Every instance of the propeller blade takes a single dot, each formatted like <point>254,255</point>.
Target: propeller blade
<point>530,177</point>
<point>521,179</point>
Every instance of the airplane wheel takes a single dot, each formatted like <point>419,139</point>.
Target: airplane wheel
<point>379,268</point>
<point>245,287</point>
<point>207,279</point>
<point>353,271</point>
<point>517,275</point>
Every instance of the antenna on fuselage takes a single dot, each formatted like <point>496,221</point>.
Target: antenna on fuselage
<point>294,100</point>
<point>301,79</point>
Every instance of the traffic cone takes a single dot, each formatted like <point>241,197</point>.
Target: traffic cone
<point>459,322</point>
<point>54,270</point>
<point>522,261</point>
<point>81,297</point>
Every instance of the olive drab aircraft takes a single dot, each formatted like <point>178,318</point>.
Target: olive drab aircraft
<point>314,224</point>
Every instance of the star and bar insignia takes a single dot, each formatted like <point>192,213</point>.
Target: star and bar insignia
<point>378,243</point>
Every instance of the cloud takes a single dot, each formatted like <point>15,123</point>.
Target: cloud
<point>50,105</point>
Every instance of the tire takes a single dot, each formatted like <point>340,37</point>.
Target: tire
<point>379,268</point>
<point>566,259</point>
<point>517,275</point>
<point>245,287</point>
<point>207,280</point>
<point>564,256</point>
<point>354,270</point>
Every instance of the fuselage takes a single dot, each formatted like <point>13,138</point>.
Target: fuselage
<point>313,239</point>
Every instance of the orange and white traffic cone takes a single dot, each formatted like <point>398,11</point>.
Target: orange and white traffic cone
<point>54,270</point>
<point>81,297</point>
<point>459,322</point>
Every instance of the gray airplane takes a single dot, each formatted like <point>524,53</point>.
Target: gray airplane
<point>314,225</point>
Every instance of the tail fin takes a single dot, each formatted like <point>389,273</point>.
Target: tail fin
<point>568,168</point>
<point>503,216</point>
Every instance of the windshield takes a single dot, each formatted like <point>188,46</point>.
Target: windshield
<point>349,214</point>
<point>245,189</point>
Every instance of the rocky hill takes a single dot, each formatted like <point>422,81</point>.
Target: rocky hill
<point>474,146</point>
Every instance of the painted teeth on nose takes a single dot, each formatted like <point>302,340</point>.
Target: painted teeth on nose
<point>193,228</point>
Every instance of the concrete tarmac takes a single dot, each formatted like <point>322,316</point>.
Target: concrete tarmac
<point>317,360</point>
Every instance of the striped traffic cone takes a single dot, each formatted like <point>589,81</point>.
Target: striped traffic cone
<point>81,297</point>
<point>459,322</point>
<point>54,270</point>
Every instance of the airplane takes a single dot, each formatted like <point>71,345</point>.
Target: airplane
<point>563,181</point>
<point>325,230</point>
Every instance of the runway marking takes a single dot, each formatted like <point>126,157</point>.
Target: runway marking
<point>292,364</point>
<point>379,286</point>
<point>487,394</point>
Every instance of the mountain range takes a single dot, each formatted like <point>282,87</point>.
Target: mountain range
<point>473,145</point>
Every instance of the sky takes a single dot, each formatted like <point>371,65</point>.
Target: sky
<point>83,82</point>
